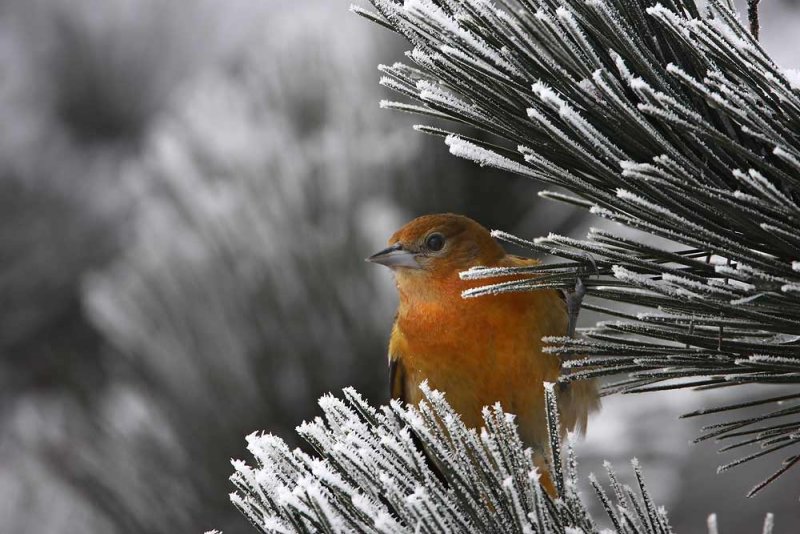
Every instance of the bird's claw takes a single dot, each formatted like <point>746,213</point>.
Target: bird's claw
<point>574,298</point>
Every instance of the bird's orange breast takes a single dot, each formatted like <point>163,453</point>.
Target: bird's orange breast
<point>479,351</point>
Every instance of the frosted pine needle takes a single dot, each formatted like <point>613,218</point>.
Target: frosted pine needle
<point>668,119</point>
<point>362,478</point>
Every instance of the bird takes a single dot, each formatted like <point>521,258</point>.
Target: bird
<point>478,351</point>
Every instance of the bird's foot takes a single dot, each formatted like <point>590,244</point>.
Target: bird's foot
<point>574,299</point>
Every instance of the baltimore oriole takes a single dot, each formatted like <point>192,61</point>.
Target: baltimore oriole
<point>482,350</point>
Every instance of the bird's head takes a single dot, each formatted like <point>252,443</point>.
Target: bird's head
<point>438,245</point>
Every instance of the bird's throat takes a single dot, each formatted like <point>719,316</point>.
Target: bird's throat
<point>417,288</point>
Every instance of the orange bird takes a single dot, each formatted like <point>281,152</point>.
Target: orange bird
<point>478,351</point>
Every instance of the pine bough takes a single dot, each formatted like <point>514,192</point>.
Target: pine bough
<point>370,476</point>
<point>667,120</point>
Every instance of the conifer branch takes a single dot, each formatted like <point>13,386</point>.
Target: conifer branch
<point>662,119</point>
<point>368,476</point>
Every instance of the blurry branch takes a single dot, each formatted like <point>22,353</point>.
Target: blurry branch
<point>81,84</point>
<point>665,120</point>
<point>369,476</point>
<point>752,17</point>
<point>239,300</point>
<point>184,219</point>
<point>226,306</point>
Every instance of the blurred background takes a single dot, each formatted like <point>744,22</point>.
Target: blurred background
<point>187,193</point>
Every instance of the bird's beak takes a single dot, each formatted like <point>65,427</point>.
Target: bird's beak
<point>395,256</point>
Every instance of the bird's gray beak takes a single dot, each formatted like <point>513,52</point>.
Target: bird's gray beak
<point>395,256</point>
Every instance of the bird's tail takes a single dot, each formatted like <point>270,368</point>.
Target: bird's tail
<point>545,479</point>
<point>576,402</point>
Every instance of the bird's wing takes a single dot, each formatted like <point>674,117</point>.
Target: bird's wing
<point>397,372</point>
<point>519,261</point>
<point>577,399</point>
<point>397,379</point>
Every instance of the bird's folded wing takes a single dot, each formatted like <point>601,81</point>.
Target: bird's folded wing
<point>578,399</point>
<point>519,261</point>
<point>397,379</point>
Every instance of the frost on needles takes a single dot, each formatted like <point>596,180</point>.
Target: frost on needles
<point>668,119</point>
<point>369,475</point>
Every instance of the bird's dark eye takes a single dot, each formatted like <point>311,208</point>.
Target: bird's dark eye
<point>435,242</point>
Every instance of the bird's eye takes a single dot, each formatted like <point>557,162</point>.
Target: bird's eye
<point>435,242</point>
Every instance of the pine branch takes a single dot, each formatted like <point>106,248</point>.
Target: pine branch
<point>368,476</point>
<point>654,116</point>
